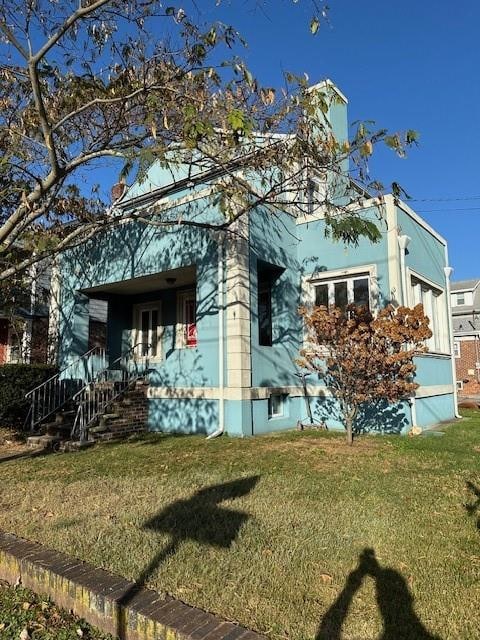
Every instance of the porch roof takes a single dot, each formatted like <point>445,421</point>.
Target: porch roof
<point>144,284</point>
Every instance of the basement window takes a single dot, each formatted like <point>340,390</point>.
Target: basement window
<point>276,405</point>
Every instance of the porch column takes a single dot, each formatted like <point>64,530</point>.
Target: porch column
<point>238,335</point>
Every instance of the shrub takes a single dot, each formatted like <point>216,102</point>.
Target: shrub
<point>15,381</point>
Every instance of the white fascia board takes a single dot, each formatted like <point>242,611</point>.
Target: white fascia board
<point>418,219</point>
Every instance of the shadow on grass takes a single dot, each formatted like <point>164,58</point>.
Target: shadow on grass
<point>395,602</point>
<point>35,453</point>
<point>473,509</point>
<point>199,518</point>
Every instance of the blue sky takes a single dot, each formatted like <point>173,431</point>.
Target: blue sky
<point>405,64</point>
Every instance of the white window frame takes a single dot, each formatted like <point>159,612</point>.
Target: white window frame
<point>283,400</point>
<point>22,350</point>
<point>459,384</point>
<point>180,329</point>
<point>341,275</point>
<point>434,307</point>
<point>315,192</point>
<point>457,349</point>
<point>137,329</point>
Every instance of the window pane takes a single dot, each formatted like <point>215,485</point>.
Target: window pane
<point>265,317</point>
<point>190,322</point>
<point>341,299</point>
<point>360,292</point>
<point>321,295</point>
<point>154,335</point>
<point>275,405</point>
<point>145,325</point>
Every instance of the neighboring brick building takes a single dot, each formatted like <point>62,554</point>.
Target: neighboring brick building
<point>466,333</point>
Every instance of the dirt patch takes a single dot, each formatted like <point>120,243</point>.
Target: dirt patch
<point>331,446</point>
<point>12,443</point>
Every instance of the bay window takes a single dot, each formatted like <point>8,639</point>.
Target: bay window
<point>434,306</point>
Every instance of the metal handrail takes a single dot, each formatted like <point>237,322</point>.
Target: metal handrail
<point>51,395</point>
<point>56,375</point>
<point>93,398</point>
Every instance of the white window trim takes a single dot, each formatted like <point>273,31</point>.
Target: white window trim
<point>459,384</point>
<point>430,309</point>
<point>456,348</point>
<point>180,337</point>
<point>282,396</point>
<point>322,277</point>
<point>137,309</point>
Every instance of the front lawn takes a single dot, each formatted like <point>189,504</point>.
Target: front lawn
<point>294,535</point>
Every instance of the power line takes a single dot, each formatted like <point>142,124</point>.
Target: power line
<point>448,210</point>
<point>460,198</point>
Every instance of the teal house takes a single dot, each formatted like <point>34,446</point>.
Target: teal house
<point>213,318</point>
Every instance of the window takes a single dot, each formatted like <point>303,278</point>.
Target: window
<point>340,293</point>
<point>264,309</point>
<point>433,300</point>
<point>147,334</point>
<point>462,298</point>
<point>456,348</point>
<point>460,385</point>
<point>187,320</point>
<point>276,405</point>
<point>314,194</point>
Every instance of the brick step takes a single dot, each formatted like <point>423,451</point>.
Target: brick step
<point>117,435</point>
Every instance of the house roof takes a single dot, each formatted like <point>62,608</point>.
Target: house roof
<point>467,285</point>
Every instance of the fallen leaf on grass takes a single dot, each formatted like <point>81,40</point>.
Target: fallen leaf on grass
<point>24,635</point>
<point>326,578</point>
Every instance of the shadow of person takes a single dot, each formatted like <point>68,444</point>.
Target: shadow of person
<point>198,518</point>
<point>395,602</point>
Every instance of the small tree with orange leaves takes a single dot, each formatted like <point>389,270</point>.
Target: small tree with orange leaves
<point>361,358</point>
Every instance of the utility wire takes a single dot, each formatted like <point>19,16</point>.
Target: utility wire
<point>448,210</point>
<point>444,199</point>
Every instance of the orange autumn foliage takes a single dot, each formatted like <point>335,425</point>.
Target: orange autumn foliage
<point>364,358</point>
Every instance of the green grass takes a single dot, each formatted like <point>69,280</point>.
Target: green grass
<point>21,611</point>
<point>297,533</point>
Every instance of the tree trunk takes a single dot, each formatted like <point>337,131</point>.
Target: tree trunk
<point>349,428</point>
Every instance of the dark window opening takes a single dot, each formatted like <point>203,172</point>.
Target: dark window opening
<point>267,275</point>
<point>265,313</point>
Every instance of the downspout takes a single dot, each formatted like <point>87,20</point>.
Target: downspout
<point>221,346</point>
<point>403,242</point>
<point>448,272</point>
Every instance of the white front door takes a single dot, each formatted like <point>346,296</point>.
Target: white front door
<point>147,330</point>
